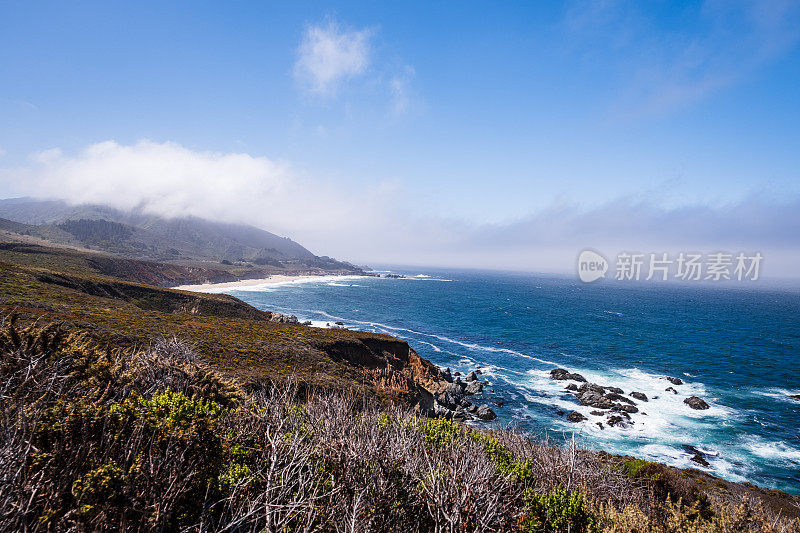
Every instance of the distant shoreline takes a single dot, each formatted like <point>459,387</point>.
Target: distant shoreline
<point>257,282</point>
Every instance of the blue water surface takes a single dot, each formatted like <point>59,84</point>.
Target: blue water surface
<point>735,347</point>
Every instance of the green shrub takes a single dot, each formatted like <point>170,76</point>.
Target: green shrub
<point>439,431</point>
<point>173,413</point>
<point>100,487</point>
<point>556,511</point>
<point>639,468</point>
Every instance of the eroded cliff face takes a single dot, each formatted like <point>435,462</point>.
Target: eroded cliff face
<point>390,365</point>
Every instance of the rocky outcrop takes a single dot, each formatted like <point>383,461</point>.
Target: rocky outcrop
<point>697,456</point>
<point>484,412</point>
<point>473,387</point>
<point>696,403</point>
<point>642,397</point>
<point>592,395</point>
<point>670,389</point>
<point>674,381</point>
<point>394,370</point>
<point>618,421</point>
<point>280,318</point>
<point>617,397</point>
<point>447,375</point>
<point>451,400</point>
<point>563,374</point>
<point>575,416</point>
<point>607,401</point>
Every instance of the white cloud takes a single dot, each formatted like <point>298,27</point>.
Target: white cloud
<point>170,180</point>
<point>399,90</point>
<point>328,55</point>
<point>372,223</point>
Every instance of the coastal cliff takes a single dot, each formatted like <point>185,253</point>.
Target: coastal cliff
<point>156,386</point>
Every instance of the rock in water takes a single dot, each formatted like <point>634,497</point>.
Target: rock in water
<point>474,387</point>
<point>674,381</point>
<point>592,394</point>
<point>575,416</point>
<point>696,403</point>
<point>616,397</point>
<point>616,420</point>
<point>471,376</point>
<point>642,397</point>
<point>562,374</point>
<point>670,389</point>
<point>697,456</point>
<point>484,412</point>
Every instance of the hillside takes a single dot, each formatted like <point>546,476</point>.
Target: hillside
<point>184,240</point>
<point>174,409</point>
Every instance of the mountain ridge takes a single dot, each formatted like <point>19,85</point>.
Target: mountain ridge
<point>184,240</point>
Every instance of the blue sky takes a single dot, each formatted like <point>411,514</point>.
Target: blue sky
<point>435,125</point>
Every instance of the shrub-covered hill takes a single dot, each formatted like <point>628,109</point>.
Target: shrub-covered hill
<point>147,408</point>
<point>41,283</point>
<point>96,438</point>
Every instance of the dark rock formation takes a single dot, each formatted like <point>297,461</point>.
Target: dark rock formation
<point>447,375</point>
<point>697,456</point>
<point>616,420</point>
<point>484,412</point>
<point>471,376</point>
<point>696,403</point>
<point>674,381</point>
<point>617,397</point>
<point>572,387</point>
<point>563,374</point>
<point>670,389</point>
<point>642,397</point>
<point>473,387</point>
<point>591,394</point>
<point>575,416</point>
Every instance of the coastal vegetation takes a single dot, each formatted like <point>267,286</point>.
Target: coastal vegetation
<point>127,406</point>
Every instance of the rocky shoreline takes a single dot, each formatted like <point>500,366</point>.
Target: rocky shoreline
<point>452,401</point>
<point>612,402</point>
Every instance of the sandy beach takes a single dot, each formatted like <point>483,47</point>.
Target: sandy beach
<point>254,284</point>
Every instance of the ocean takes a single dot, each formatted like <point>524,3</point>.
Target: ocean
<point>737,348</point>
